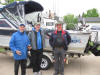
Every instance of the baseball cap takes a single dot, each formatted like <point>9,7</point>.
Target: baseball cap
<point>22,25</point>
<point>59,23</point>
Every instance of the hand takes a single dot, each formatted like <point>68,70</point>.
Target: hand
<point>65,59</point>
<point>29,47</point>
<point>18,52</point>
<point>47,37</point>
<point>53,60</point>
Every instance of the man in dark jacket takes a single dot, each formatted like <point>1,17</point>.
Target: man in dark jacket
<point>36,37</point>
<point>59,40</point>
<point>19,43</point>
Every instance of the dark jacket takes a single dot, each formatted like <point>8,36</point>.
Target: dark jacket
<point>65,35</point>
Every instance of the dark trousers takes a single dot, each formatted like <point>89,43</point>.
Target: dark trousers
<point>23,66</point>
<point>36,58</point>
<point>59,55</point>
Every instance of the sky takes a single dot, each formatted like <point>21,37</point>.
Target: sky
<point>64,7</point>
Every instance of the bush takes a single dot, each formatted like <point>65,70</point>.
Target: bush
<point>70,26</point>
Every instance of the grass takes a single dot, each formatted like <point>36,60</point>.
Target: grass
<point>2,50</point>
<point>98,48</point>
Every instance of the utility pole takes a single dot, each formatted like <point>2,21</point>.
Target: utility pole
<point>8,2</point>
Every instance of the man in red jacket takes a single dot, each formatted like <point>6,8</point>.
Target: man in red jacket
<point>59,41</point>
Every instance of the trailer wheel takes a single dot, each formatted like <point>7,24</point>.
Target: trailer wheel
<point>46,63</point>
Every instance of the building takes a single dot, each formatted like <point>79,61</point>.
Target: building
<point>93,21</point>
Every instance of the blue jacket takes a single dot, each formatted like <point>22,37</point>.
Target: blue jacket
<point>19,41</point>
<point>38,38</point>
<point>65,36</point>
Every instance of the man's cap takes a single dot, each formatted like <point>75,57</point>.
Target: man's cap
<point>37,23</point>
<point>22,25</point>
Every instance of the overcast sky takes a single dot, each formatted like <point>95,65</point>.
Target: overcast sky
<point>63,7</point>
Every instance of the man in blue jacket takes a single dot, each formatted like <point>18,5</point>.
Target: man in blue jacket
<point>19,43</point>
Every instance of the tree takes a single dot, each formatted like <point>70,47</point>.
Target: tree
<point>91,13</point>
<point>70,21</point>
<point>11,1</point>
<point>84,15</point>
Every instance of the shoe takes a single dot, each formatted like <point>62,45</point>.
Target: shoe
<point>55,73</point>
<point>35,73</point>
<point>62,73</point>
<point>39,73</point>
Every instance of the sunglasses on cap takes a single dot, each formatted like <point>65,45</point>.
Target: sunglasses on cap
<point>58,24</point>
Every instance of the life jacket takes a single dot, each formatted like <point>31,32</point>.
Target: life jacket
<point>59,41</point>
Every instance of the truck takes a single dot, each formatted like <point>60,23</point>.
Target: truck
<point>48,23</point>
